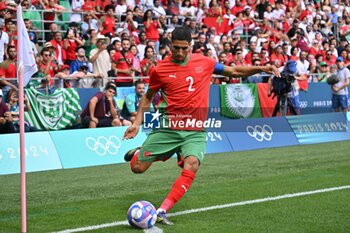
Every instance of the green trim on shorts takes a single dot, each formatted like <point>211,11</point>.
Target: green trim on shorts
<point>162,144</point>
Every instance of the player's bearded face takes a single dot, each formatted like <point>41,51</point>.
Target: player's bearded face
<point>180,50</point>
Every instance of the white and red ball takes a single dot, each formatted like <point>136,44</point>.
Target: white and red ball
<point>142,214</point>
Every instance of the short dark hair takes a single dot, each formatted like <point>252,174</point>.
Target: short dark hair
<point>137,82</point>
<point>108,7</point>
<point>111,85</point>
<point>181,33</point>
<point>10,47</point>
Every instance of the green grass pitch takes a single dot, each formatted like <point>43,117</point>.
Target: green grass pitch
<point>75,198</point>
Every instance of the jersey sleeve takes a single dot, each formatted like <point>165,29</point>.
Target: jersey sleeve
<point>154,80</point>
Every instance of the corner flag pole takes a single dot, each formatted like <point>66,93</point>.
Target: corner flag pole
<point>22,152</point>
<point>26,67</point>
<point>21,126</point>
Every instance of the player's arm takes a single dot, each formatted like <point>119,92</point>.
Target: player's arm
<point>244,71</point>
<point>145,104</point>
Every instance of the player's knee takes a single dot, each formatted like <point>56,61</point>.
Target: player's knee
<point>191,163</point>
<point>138,167</point>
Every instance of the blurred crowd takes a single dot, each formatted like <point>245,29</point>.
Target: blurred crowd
<point>87,43</point>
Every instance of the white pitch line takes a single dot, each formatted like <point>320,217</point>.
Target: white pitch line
<point>285,196</point>
<point>154,229</point>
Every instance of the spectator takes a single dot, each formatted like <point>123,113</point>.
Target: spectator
<point>330,58</point>
<point>158,10</point>
<point>99,57</point>
<point>6,120</point>
<point>345,28</point>
<point>80,60</point>
<point>248,56</point>
<point>340,89</point>
<point>70,44</point>
<point>174,7</point>
<point>187,9</point>
<point>121,8</point>
<point>132,101</point>
<point>48,66</point>
<point>138,16</point>
<point>238,7</point>
<point>8,69</point>
<point>90,39</point>
<point>213,46</point>
<point>108,21</point>
<point>315,48</point>
<point>149,61</point>
<point>238,59</point>
<point>11,30</point>
<point>123,61</point>
<point>77,8</point>
<point>302,41</point>
<point>294,54</point>
<point>303,65</point>
<point>33,36</point>
<point>324,72</point>
<point>200,45</point>
<point>277,57</point>
<point>293,30</point>
<point>151,28</point>
<point>4,41</point>
<point>82,78</point>
<point>13,106</point>
<point>90,22</point>
<point>60,52</point>
<point>256,78</point>
<point>51,9</point>
<point>100,6</point>
<point>142,45</point>
<point>136,64</point>
<point>129,25</point>
<point>101,111</point>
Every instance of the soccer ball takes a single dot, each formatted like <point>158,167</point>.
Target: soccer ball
<point>142,214</point>
<point>333,79</point>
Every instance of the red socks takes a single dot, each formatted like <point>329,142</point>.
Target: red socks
<point>180,187</point>
<point>134,158</point>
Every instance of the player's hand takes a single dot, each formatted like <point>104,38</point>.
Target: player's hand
<point>269,93</point>
<point>271,69</point>
<point>131,132</point>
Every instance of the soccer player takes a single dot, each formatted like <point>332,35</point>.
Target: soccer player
<point>184,80</point>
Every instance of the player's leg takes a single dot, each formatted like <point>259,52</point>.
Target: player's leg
<point>193,150</point>
<point>159,146</point>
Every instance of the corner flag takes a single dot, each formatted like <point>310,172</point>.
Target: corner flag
<point>25,55</point>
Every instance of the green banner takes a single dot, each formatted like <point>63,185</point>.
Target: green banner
<point>240,101</point>
<point>57,111</point>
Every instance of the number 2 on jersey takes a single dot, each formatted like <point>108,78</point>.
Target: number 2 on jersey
<point>190,88</point>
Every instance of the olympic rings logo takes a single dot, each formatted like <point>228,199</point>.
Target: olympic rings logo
<point>103,145</point>
<point>303,104</point>
<point>260,133</point>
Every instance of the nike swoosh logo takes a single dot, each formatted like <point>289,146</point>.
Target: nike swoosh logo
<point>183,186</point>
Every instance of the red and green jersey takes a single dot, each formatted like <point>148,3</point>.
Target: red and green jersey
<point>185,89</point>
<point>123,62</point>
<point>8,69</point>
